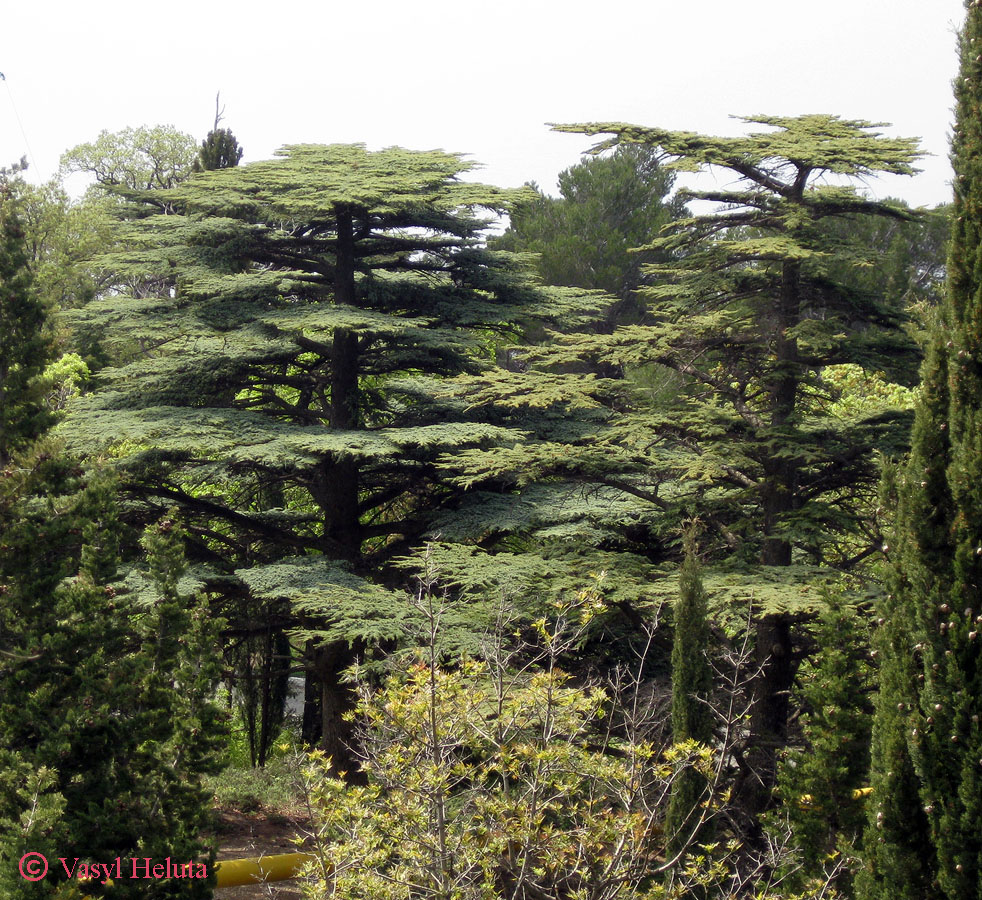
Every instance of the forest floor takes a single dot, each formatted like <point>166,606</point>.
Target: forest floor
<point>242,835</point>
<point>258,813</point>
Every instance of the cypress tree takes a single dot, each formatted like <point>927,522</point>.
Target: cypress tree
<point>692,719</point>
<point>935,609</point>
<point>26,346</point>
<point>899,861</point>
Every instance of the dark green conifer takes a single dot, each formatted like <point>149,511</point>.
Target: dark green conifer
<point>725,407</point>
<point>26,345</point>
<point>898,858</point>
<point>936,554</point>
<point>692,716</point>
<point>835,725</point>
<point>106,725</point>
<point>219,150</point>
<point>608,206</point>
<point>109,697</point>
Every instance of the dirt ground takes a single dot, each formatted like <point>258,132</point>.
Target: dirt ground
<point>256,834</point>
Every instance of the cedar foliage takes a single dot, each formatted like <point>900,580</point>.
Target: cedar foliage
<point>724,404</point>
<point>724,407</point>
<point>292,393</point>
<point>928,713</point>
<point>747,312</point>
<point>288,394</point>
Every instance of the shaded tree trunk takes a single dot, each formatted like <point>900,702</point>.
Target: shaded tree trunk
<point>339,496</point>
<point>334,699</point>
<point>771,691</point>
<point>326,698</point>
<point>771,706</point>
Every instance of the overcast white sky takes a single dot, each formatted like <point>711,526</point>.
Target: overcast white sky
<point>480,78</point>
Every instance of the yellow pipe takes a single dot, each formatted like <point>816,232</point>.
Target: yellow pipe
<point>236,872</point>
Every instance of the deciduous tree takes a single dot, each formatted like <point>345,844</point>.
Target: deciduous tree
<point>144,158</point>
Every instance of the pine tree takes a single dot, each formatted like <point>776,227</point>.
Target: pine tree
<point>936,609</point>
<point>692,717</point>
<point>219,150</point>
<point>608,206</point>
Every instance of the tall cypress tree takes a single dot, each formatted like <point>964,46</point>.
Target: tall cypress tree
<point>937,570</point>
<point>692,682</point>
<point>25,341</point>
<point>898,856</point>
